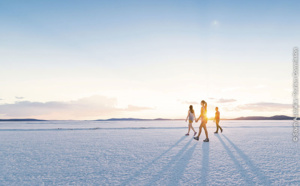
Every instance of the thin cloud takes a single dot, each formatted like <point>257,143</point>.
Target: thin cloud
<point>226,100</point>
<point>265,106</point>
<point>94,106</point>
<point>191,102</point>
<point>188,102</point>
<point>132,108</point>
<point>17,97</point>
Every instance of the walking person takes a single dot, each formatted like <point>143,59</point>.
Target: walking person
<point>191,116</point>
<point>217,120</point>
<point>203,117</point>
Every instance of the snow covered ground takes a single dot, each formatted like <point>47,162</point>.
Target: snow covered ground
<point>147,153</point>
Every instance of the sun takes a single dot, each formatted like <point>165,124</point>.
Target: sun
<point>210,115</point>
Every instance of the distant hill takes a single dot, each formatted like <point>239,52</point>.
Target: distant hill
<point>277,117</point>
<point>22,120</point>
<point>131,119</point>
<point>122,119</point>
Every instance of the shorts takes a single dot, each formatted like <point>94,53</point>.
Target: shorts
<point>190,121</point>
<point>204,120</point>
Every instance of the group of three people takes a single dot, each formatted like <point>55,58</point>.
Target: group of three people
<point>203,116</point>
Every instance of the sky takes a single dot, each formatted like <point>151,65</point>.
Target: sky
<point>146,59</point>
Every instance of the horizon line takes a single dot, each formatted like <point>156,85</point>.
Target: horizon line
<point>275,117</point>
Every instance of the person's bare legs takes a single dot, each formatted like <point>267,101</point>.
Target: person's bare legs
<point>191,126</point>
<point>218,126</point>
<point>200,129</point>
<point>205,130</point>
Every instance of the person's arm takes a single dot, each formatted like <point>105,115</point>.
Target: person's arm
<point>199,116</point>
<point>215,117</point>
<point>187,116</point>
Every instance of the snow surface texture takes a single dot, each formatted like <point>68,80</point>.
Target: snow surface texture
<point>147,153</point>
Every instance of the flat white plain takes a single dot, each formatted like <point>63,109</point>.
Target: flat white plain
<point>147,153</point>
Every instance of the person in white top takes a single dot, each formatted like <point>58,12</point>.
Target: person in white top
<point>191,116</point>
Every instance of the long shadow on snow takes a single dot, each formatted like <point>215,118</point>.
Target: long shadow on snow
<point>259,174</point>
<point>170,165</point>
<point>179,168</point>
<point>205,163</point>
<point>239,167</point>
<point>147,166</point>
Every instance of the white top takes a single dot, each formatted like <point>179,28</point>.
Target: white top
<point>191,116</point>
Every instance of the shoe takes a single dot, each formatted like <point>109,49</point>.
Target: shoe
<point>216,132</point>
<point>187,134</point>
<point>196,138</point>
<point>195,133</point>
<point>206,140</point>
<point>221,130</point>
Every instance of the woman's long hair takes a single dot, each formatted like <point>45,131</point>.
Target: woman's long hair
<point>204,104</point>
<point>191,109</point>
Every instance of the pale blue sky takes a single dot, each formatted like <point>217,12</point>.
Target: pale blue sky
<point>146,59</point>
